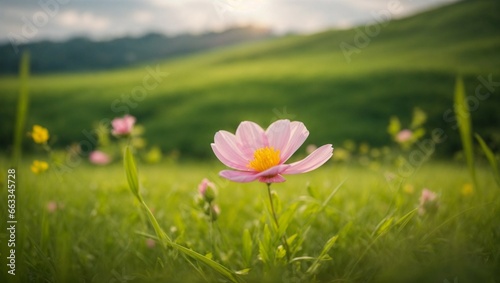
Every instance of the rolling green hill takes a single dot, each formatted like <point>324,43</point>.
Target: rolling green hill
<point>410,62</point>
<point>82,54</point>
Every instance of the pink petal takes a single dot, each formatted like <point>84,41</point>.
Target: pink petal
<point>251,137</point>
<point>228,146</point>
<point>273,179</point>
<point>298,134</point>
<point>129,121</point>
<point>245,176</point>
<point>278,169</point>
<point>278,134</point>
<point>116,124</point>
<point>239,176</point>
<point>99,157</point>
<point>311,162</point>
<point>123,126</point>
<point>228,160</point>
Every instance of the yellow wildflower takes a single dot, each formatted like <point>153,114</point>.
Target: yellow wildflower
<point>408,188</point>
<point>40,134</point>
<point>39,166</point>
<point>467,189</point>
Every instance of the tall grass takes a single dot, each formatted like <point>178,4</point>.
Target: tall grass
<point>22,107</point>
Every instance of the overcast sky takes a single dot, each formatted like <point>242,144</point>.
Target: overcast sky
<point>33,20</point>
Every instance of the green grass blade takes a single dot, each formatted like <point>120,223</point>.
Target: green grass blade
<point>330,196</point>
<point>464,125</point>
<point>323,255</point>
<point>22,107</point>
<point>491,158</point>
<point>383,226</point>
<point>133,182</point>
<point>209,262</point>
<point>403,221</point>
<point>196,256</point>
<point>131,172</point>
<point>247,247</point>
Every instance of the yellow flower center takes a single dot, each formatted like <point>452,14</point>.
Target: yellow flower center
<point>264,158</point>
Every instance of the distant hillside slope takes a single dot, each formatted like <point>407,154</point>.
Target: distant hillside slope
<point>409,62</point>
<point>81,54</point>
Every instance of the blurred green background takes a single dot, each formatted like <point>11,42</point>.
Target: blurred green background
<point>411,62</point>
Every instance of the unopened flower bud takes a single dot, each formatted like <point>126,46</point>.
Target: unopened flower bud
<point>207,190</point>
<point>213,212</point>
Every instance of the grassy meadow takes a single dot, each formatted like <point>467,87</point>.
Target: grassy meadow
<point>358,218</point>
<point>95,233</point>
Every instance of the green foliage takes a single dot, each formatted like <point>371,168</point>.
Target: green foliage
<point>323,255</point>
<point>131,172</point>
<point>247,247</point>
<point>22,107</point>
<point>112,247</point>
<point>464,124</point>
<point>491,158</point>
<point>394,126</point>
<point>82,54</point>
<point>419,118</point>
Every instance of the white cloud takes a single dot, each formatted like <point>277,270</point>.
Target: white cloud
<point>110,18</point>
<point>82,21</point>
<point>142,17</point>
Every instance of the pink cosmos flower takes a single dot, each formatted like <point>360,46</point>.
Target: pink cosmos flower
<point>404,136</point>
<point>260,155</point>
<point>123,126</point>
<point>98,157</point>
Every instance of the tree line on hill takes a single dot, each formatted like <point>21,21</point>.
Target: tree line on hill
<point>83,54</point>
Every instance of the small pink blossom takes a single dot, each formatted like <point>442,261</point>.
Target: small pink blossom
<point>207,190</point>
<point>428,202</point>
<point>98,157</point>
<point>51,206</point>
<point>123,126</point>
<point>258,154</point>
<point>150,243</point>
<point>202,187</point>
<point>404,136</point>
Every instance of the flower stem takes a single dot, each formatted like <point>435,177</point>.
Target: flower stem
<point>283,237</point>
<point>212,240</point>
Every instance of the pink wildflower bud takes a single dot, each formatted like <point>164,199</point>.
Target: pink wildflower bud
<point>98,157</point>
<point>207,190</point>
<point>404,136</point>
<point>123,126</point>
